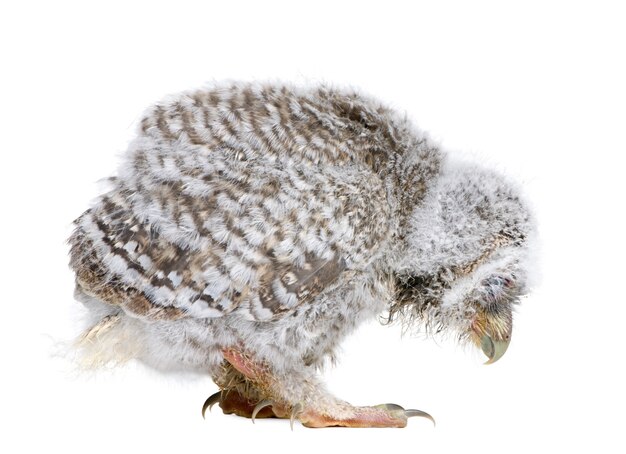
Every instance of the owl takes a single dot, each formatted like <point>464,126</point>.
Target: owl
<point>252,226</point>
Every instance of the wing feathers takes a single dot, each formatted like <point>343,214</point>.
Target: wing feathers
<point>243,199</point>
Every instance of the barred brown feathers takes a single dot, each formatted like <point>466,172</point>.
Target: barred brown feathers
<point>222,206</point>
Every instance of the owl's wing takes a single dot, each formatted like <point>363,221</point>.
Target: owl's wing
<point>249,199</point>
<point>207,246</point>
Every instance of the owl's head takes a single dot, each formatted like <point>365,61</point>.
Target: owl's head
<point>465,258</point>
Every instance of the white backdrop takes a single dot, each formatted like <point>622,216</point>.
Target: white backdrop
<point>535,89</point>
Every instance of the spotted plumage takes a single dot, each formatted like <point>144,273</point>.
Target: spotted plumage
<point>251,226</point>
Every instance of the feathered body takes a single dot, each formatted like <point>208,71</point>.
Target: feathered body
<point>276,219</point>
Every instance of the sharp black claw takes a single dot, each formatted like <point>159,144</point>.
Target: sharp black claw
<point>258,407</point>
<point>295,411</point>
<point>421,413</point>
<point>212,400</point>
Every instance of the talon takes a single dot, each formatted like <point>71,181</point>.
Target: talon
<point>212,400</point>
<point>408,413</point>
<point>295,411</point>
<point>258,407</point>
<point>389,407</point>
<point>423,414</point>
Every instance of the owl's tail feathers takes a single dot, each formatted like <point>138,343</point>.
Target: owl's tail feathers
<point>105,344</point>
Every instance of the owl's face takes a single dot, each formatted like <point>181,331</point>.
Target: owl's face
<point>465,259</point>
<point>477,306</point>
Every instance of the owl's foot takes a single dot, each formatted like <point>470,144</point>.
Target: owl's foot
<point>232,401</point>
<point>298,396</point>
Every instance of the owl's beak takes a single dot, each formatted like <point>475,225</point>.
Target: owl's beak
<point>494,349</point>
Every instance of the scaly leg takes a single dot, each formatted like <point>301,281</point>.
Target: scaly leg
<point>298,394</point>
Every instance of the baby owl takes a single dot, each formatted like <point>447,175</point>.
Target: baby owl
<point>252,226</point>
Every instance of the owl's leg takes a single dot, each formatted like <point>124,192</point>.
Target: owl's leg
<point>298,394</point>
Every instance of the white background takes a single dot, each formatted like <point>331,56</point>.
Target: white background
<point>537,90</point>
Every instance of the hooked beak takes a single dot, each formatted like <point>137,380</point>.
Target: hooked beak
<point>494,349</point>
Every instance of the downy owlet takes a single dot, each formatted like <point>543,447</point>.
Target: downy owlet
<point>252,226</point>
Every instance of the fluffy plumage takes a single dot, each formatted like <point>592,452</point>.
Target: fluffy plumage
<point>274,219</point>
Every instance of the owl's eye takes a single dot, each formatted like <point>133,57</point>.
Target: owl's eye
<point>495,290</point>
<point>493,281</point>
<point>498,282</point>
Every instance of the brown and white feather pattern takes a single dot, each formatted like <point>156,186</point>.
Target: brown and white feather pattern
<point>249,198</point>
